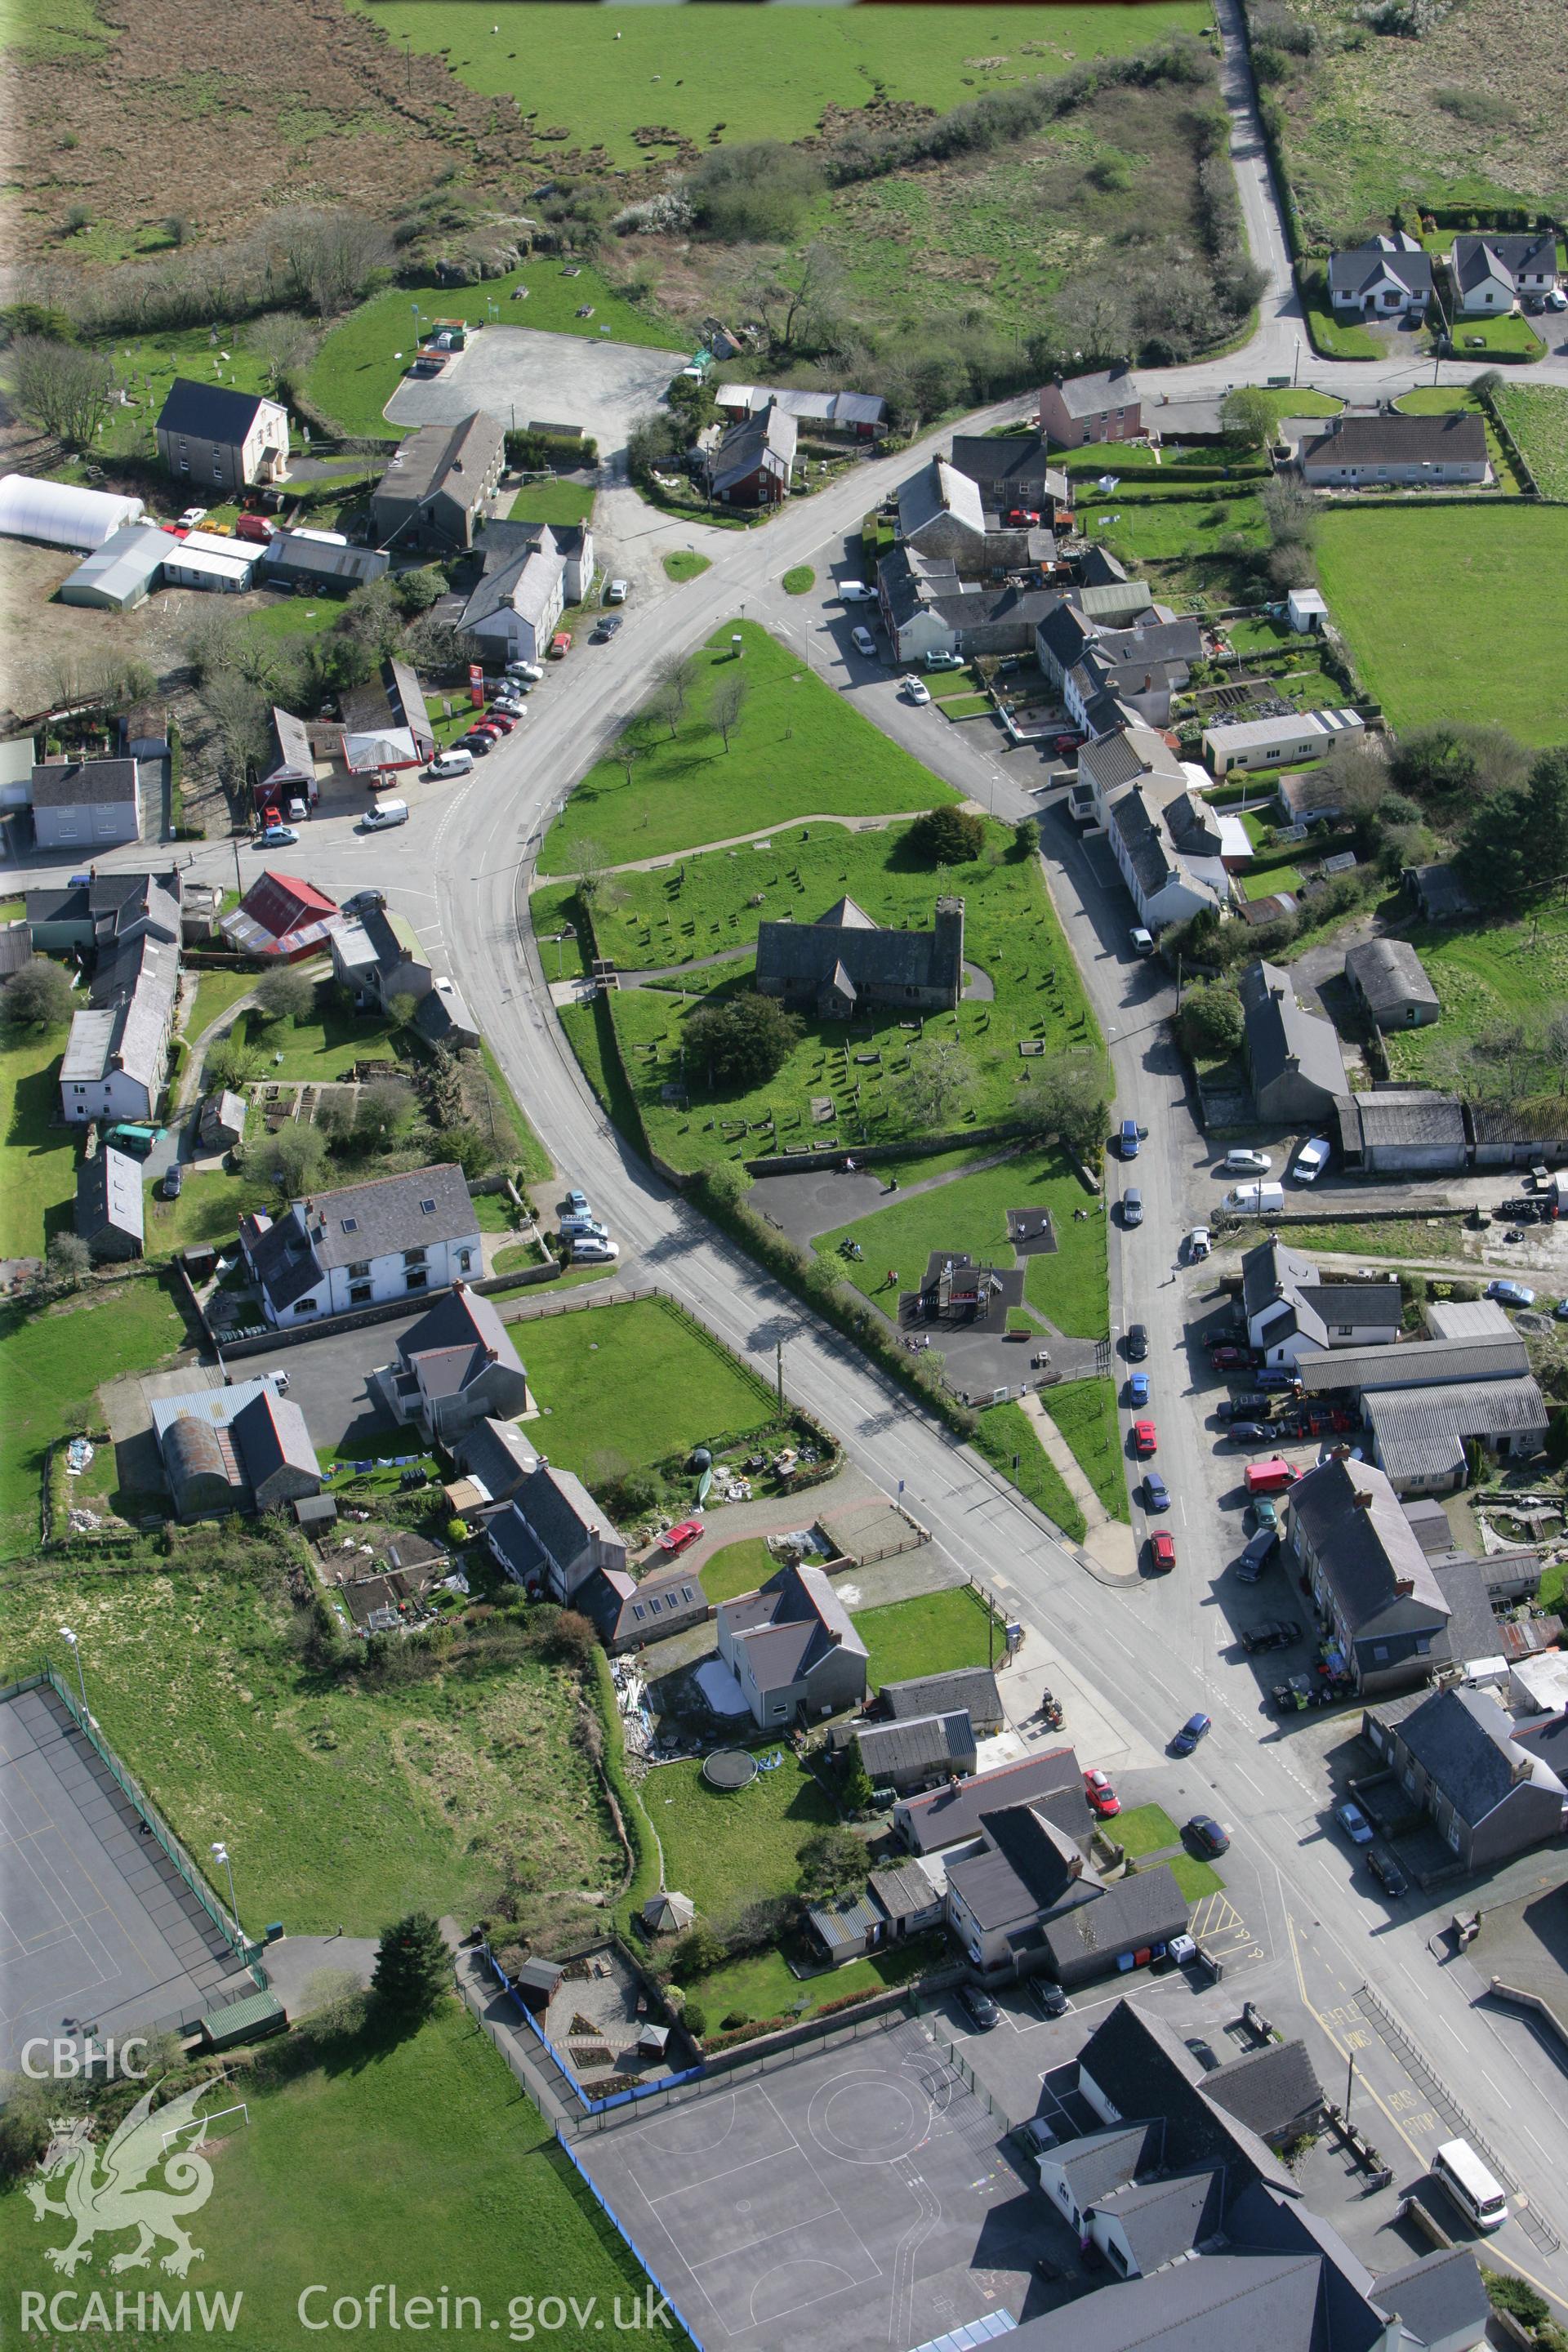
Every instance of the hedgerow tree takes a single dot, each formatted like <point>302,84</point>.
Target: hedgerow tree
<point>742,1042</point>
<point>413,1969</point>
<point>947,837</point>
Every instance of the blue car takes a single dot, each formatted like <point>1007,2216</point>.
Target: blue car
<point>1130,1139</point>
<point>1511,1294</point>
<point>1156,1494</point>
<point>1138,1388</point>
<point>1196,1727</point>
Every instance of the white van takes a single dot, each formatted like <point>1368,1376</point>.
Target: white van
<point>451,763</point>
<point>1255,1199</point>
<point>385,814</point>
<point>1311,1160</point>
<point>1470,2184</point>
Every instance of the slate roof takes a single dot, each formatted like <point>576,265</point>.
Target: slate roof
<point>1139,2063</point>
<point>1087,395</point>
<point>791,1622</point>
<point>1221,2302</point>
<point>872,957</point>
<point>1457,437</point>
<point>454,460</point>
<point>1366,1551</point>
<point>1440,890</point>
<point>523,582</point>
<point>927,1744</point>
<point>1273,1274</point>
<point>552,1517</point>
<point>623,1610</point>
<point>937,489</point>
<point>1364,266</point>
<point>903,1890</point>
<point>1436,2296</point>
<point>746,447</point>
<point>1106,2160</point>
<point>1532,254</point>
<point>291,553</point>
<point>1389,975</point>
<point>1147,1908</point>
<point>210,412</point>
<point>1279,1029</point>
<point>1421,1431</point>
<point>389,1212</point>
<point>498,1454</point>
<point>1473,1631</point>
<point>1415,1363</point>
<point>1269,2088</point>
<point>1399,1116</point>
<point>1127,756</point>
<point>1461,1739</point>
<point>1162,2220</point>
<point>270,1433</point>
<point>463,1328</point>
<point>973,1688</point>
<point>1004,457</point>
<point>1065,633</point>
<point>1027,1865</point>
<point>1052,1782</point>
<point>108,1196</point>
<point>83,783</point>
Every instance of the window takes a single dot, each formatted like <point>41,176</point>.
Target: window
<point>416,1278</point>
<point>351,1224</point>
<point>1423,1646</point>
<point>1380,1653</point>
<point>464,1257</point>
<point>637,1610</point>
<point>413,1258</point>
<point>428,1208</point>
<point>1344,1330</point>
<point>306,1307</point>
<point>359,1270</point>
<point>358,1294</point>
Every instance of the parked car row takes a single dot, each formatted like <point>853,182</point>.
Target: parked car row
<point>585,1234</point>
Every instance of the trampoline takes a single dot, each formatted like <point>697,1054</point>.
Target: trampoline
<point>729,1768</point>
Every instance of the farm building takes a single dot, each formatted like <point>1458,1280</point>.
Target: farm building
<point>61,514</point>
<point>1402,1131</point>
<point>1276,743</point>
<point>123,572</point>
<point>1389,982</point>
<point>239,1448</point>
<point>281,916</point>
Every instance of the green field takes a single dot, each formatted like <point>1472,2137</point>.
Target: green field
<point>341,1804</point>
<point>724,1847</point>
<point>590,1374</point>
<point>1416,590</point>
<point>438,2175</point>
<point>61,28</point>
<point>1537,416</point>
<point>1177,528</point>
<point>800,750</point>
<point>1488,975</point>
<point>53,1360</point>
<point>1067,1285</point>
<point>553,501</point>
<point>600,77</point>
<point>358,368</point>
<point>208,1210</point>
<point>1085,1413</point>
<point>216,991</point>
<point>932,1634</point>
<point>38,1171</point>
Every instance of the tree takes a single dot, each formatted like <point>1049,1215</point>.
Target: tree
<point>282,340</point>
<point>242,714</point>
<point>655,445</point>
<point>1025,837</point>
<point>37,996</point>
<point>383,1114</point>
<point>937,1086</point>
<point>628,752</point>
<point>946,836</point>
<point>68,1264</point>
<point>413,1969</point>
<point>1091,318</point>
<point>676,678</point>
<point>24,2131</point>
<point>856,1789</point>
<point>286,994</point>
<point>1247,416</point>
<point>797,301</point>
<point>729,703</point>
<point>753,194</point>
<point>373,617</point>
<point>1065,1095</point>
<point>743,1042</point>
<point>664,710</point>
<point>417,590</point>
<point>295,1158</point>
<point>329,256</point>
<point>590,870</point>
<point>233,1063</point>
<point>1519,837</point>
<point>831,1860</point>
<point>61,387</point>
<point>401,1008</point>
<point>1210,1021</point>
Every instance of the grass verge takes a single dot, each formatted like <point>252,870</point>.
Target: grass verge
<point>1008,1440</point>
<point>930,1633</point>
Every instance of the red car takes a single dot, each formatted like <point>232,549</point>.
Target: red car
<point>1102,1796</point>
<point>1145,1437</point>
<point>1228,1358</point>
<point>1023,514</point>
<point>1066,745</point>
<point>498,720</point>
<point>1163,1550</point>
<point>679,1538</point>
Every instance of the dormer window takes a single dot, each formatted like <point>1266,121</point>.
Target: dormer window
<point>428,1208</point>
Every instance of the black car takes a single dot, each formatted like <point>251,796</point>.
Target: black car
<point>1279,1376</point>
<point>1203,2053</point>
<point>1248,1432</point>
<point>1049,1996</point>
<point>1136,1343</point>
<point>1245,1407</point>
<point>1387,1872</point>
<point>173,1180</point>
<point>981,2007</point>
<point>1209,1836</point>
<point>1272,1633</point>
<point>607,628</point>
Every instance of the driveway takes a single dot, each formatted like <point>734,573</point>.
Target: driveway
<point>519,375</point>
<point>327,1380</point>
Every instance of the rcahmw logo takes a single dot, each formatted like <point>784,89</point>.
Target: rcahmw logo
<point>141,2180</point>
<point>68,2313</point>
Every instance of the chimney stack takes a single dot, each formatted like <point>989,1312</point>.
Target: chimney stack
<point>1363,1501</point>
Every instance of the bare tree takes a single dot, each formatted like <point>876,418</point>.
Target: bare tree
<point>329,256</point>
<point>64,388</point>
<point>589,867</point>
<point>1091,315</point>
<point>729,703</point>
<point>677,677</point>
<point>628,752</point>
<point>282,340</point>
<point>795,301</point>
<point>239,711</point>
<point>937,1086</point>
<point>212,640</point>
<point>664,710</point>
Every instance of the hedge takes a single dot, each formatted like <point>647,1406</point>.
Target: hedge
<point>530,449</point>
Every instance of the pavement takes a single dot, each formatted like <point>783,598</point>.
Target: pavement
<point>521,375</point>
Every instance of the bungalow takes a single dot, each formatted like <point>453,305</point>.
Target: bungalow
<point>793,1648</point>
<point>849,415</point>
<point>1355,451</point>
<point>754,464</point>
<point>1389,982</point>
<point>322,563</point>
<point>393,1237</point>
<point>1276,743</point>
<point>434,490</point>
<point>553,1538</point>
<point>1492,273</point>
<point>281,918</point>
<point>1374,1585</point>
<point>456,1366</point>
<point>1293,1056</point>
<point>86,803</point>
<point>377,956</point>
<point>1456,1756</point>
<point>108,1204</point>
<point>627,1614</point>
<point>1381,278</point>
<point>1077,409</point>
<point>1294,1317</point>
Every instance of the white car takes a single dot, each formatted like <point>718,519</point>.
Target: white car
<point>1557,299</point>
<point>591,1250</point>
<point>1311,1160</point>
<point>617,592</point>
<point>864,644</point>
<point>854,592</point>
<point>451,763</point>
<point>193,519</point>
<point>1247,1163</point>
<point>917,690</point>
<point>1198,1242</point>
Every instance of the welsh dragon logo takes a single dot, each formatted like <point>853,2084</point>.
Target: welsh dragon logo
<point>107,2191</point>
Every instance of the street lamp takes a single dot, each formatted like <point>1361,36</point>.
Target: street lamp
<point>221,1851</point>
<point>68,1637</point>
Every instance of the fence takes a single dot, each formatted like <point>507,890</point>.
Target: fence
<point>589,2104</point>
<point>625,2237</point>
<point>229,1928</point>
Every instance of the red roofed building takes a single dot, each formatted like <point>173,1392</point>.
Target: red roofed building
<point>280,916</point>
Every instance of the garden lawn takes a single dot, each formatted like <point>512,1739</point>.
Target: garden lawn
<point>1486,973</point>
<point>691,911</point>
<point>37,1164</point>
<point>755,80</point>
<point>51,1360</point>
<point>1067,1286</point>
<point>1416,589</point>
<point>1512,337</point>
<point>357,368</point>
<point>932,1634</point>
<point>349,1805</point>
<point>1085,1413</point>
<point>325,1046</point>
<point>725,1847</point>
<point>1537,416</point>
<point>1337,339</point>
<point>1194,1878</point>
<point>216,991</point>
<point>208,1210</point>
<point>1010,1442</point>
<point>638,1379</point>
<point>738,1568</point>
<point>1179,526</point>
<point>800,750</point>
<point>762,1984</point>
<point>553,501</point>
<point>686,564</point>
<point>1401,1238</point>
<point>366,2137</point>
<point>1273,878</point>
<point>1146,1829</point>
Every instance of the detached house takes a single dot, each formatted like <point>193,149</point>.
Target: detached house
<point>1370,1578</point>
<point>1492,273</point>
<point>216,440</point>
<point>792,1649</point>
<point>1293,1056</point>
<point>86,803</point>
<point>1293,1316</point>
<point>363,1245</point>
<point>1381,278</point>
<point>378,956</point>
<point>754,465</point>
<point>1356,451</point>
<point>456,1366</point>
<point>1083,408</point>
<point>1490,1795</point>
<point>433,490</point>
